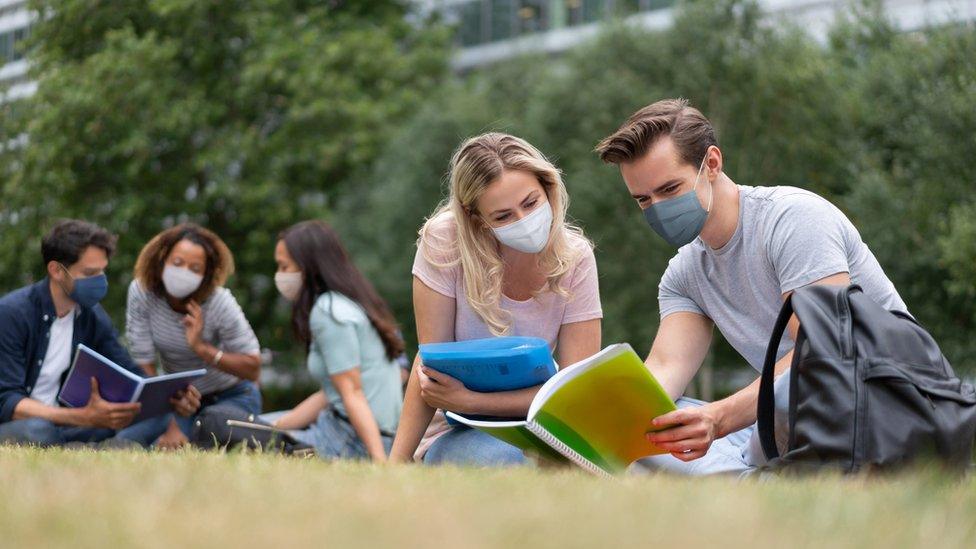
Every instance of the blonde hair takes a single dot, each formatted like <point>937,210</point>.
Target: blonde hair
<point>476,164</point>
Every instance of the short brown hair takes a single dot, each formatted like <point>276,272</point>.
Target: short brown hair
<point>152,258</point>
<point>69,238</point>
<point>687,127</point>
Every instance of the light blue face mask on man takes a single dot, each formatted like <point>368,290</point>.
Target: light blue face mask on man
<point>680,220</point>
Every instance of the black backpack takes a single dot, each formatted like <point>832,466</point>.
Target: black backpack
<point>869,389</point>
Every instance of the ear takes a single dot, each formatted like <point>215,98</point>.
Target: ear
<point>713,162</point>
<point>54,270</point>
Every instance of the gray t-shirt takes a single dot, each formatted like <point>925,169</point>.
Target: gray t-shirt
<point>786,238</point>
<point>152,326</point>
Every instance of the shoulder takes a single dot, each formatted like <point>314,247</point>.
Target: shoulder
<point>16,307</point>
<point>787,201</point>
<point>681,264</point>
<point>438,238</point>
<point>138,292</point>
<point>221,297</point>
<point>17,299</point>
<point>334,307</point>
<point>581,248</point>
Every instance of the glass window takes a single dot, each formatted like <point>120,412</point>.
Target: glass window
<point>532,16</point>
<point>593,10</point>
<point>470,24</point>
<point>6,47</point>
<point>502,19</point>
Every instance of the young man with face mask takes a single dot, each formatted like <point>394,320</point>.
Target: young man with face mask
<point>41,326</point>
<point>741,251</point>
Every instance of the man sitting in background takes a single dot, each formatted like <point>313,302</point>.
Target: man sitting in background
<point>40,327</point>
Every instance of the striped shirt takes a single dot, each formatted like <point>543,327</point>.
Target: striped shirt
<point>153,328</point>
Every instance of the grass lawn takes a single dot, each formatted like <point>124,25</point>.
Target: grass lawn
<point>53,498</point>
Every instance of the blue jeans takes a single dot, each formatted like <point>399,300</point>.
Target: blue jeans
<point>244,396</point>
<point>331,436</point>
<point>41,432</point>
<point>466,446</point>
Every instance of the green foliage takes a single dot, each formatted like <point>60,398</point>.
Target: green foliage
<point>245,116</point>
<point>878,121</point>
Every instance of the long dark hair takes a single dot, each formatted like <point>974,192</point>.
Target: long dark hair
<point>326,266</point>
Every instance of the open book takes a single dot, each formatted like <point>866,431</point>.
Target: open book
<point>116,384</point>
<point>594,413</point>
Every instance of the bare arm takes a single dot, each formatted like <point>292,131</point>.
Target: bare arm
<point>695,428</point>
<point>738,411</point>
<point>578,340</point>
<point>678,350</point>
<point>305,413</point>
<point>241,365</point>
<point>96,413</point>
<point>30,408</point>
<point>350,387</point>
<point>149,368</point>
<point>434,314</point>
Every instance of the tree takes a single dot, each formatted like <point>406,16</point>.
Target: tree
<point>245,116</point>
<point>876,120</point>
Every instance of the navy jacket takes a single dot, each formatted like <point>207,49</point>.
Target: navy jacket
<point>25,326</point>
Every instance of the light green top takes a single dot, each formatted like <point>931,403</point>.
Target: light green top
<point>343,338</point>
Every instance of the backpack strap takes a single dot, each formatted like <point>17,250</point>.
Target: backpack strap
<point>765,408</point>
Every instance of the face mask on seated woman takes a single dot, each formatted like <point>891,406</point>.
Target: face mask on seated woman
<point>180,282</point>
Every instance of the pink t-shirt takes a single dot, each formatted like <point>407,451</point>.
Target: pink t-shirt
<point>541,316</point>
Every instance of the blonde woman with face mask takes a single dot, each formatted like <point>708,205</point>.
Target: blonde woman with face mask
<point>497,258</point>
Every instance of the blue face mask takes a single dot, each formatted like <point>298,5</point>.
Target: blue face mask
<point>679,220</point>
<point>89,291</point>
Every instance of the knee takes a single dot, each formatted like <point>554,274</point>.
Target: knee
<point>40,432</point>
<point>472,447</point>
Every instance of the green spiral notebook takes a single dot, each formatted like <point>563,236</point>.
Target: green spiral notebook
<point>594,413</point>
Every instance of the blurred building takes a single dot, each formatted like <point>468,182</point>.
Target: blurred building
<point>15,25</point>
<point>489,31</point>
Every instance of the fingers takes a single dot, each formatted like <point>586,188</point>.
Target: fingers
<point>439,377</point>
<point>682,432</point>
<point>192,397</point>
<point>431,374</point>
<point>689,456</point>
<point>126,407</point>
<point>118,419</point>
<point>95,395</point>
<point>682,416</point>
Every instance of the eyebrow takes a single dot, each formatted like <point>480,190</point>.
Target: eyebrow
<point>527,197</point>
<point>667,183</point>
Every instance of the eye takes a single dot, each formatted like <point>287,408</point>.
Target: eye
<point>503,217</point>
<point>532,204</point>
<point>671,189</point>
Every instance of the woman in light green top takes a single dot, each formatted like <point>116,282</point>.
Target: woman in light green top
<point>352,342</point>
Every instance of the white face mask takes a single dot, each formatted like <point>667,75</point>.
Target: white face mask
<point>180,281</point>
<point>289,284</point>
<point>529,234</point>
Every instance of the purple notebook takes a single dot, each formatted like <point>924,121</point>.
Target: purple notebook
<point>116,384</point>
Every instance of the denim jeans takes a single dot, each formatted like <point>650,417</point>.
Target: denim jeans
<point>331,436</point>
<point>42,432</point>
<point>466,446</point>
<point>244,396</point>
